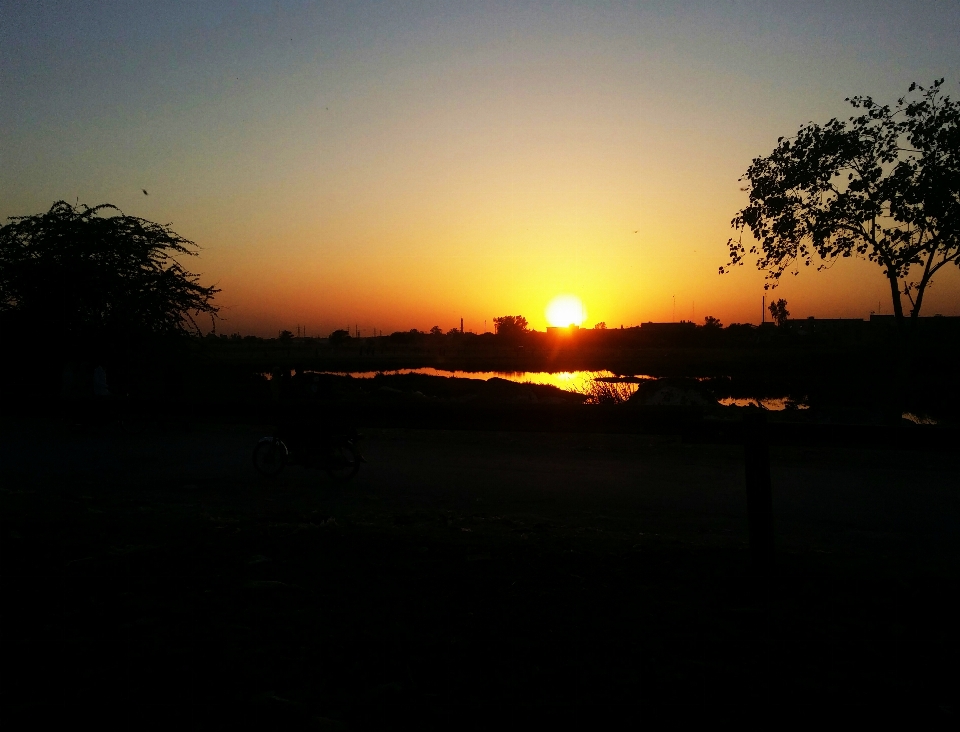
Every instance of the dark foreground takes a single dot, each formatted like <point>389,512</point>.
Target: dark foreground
<point>470,579</point>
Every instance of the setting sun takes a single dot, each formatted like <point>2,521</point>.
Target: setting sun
<point>566,310</point>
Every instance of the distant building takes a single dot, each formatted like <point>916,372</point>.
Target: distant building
<point>668,328</point>
<point>936,325</point>
<point>826,326</point>
<point>668,334</point>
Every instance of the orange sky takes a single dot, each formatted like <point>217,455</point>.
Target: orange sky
<point>403,165</point>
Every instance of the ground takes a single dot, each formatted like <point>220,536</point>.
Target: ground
<point>470,574</point>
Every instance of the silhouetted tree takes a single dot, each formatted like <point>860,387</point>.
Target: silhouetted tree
<point>286,336</point>
<point>95,278</point>
<point>884,185</point>
<point>712,323</point>
<point>600,326</point>
<point>779,312</point>
<point>436,330</point>
<point>338,337</point>
<point>510,325</point>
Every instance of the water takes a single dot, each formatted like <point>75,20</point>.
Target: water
<point>576,381</point>
<point>580,382</point>
<point>592,383</point>
<point>774,404</point>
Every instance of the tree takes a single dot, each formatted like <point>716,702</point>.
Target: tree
<point>436,330</point>
<point>96,279</point>
<point>779,312</point>
<point>712,323</point>
<point>600,326</point>
<point>338,337</point>
<point>285,336</point>
<point>884,185</point>
<point>510,325</point>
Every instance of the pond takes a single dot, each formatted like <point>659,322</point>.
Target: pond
<point>576,381</point>
<point>580,382</point>
<point>605,387</point>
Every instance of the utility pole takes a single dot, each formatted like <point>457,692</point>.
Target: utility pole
<point>461,326</point>
<point>763,310</point>
<point>674,308</point>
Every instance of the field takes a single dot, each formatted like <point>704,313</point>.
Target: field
<point>471,574</point>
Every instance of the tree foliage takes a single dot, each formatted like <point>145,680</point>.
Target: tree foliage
<point>779,312</point>
<point>883,185</point>
<point>510,325</point>
<point>79,274</point>
<point>339,337</point>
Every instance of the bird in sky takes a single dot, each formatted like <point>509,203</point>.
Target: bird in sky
<point>145,191</point>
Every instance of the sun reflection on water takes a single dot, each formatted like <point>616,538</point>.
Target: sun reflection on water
<point>598,386</point>
<point>577,381</point>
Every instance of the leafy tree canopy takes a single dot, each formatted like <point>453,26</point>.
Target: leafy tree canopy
<point>779,312</point>
<point>338,337</point>
<point>883,185</point>
<point>85,276</point>
<point>509,325</point>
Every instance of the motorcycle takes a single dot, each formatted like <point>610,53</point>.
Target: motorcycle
<point>336,453</point>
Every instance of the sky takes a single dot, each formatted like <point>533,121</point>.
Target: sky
<point>397,165</point>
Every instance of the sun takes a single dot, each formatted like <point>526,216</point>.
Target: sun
<point>565,310</point>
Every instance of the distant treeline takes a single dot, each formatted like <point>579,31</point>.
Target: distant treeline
<point>844,354</point>
<point>878,329</point>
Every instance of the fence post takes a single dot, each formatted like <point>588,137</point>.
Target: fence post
<point>759,490</point>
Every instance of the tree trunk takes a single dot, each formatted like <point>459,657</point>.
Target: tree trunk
<point>895,297</point>
<point>902,376</point>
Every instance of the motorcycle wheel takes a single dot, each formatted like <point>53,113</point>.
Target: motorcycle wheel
<point>269,458</point>
<point>344,462</point>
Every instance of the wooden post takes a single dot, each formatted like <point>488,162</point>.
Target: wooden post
<point>759,491</point>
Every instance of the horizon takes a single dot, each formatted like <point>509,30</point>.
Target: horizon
<point>542,331</point>
<point>379,166</point>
